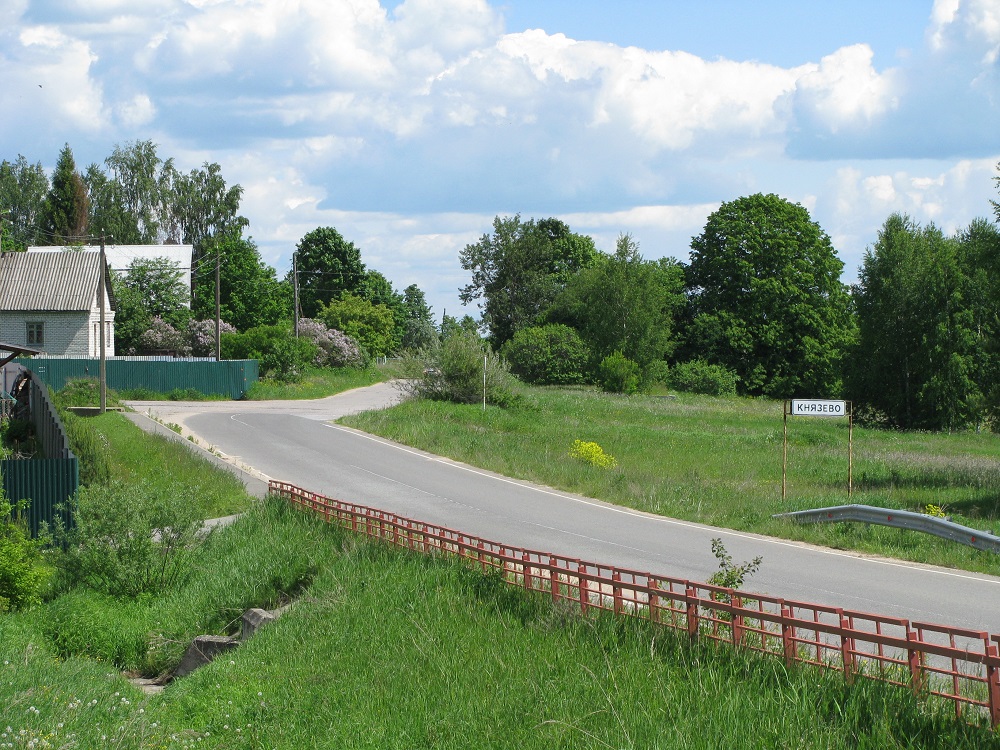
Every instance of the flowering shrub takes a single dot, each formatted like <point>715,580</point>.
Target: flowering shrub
<point>201,336</point>
<point>592,454</point>
<point>162,336</point>
<point>335,348</point>
<point>198,339</point>
<point>935,510</point>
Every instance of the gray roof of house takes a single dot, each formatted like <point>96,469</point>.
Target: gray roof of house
<point>64,281</point>
<point>120,257</point>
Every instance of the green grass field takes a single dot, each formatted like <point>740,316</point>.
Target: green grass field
<point>719,462</point>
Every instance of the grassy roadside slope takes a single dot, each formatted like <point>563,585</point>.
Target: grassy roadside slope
<point>387,649</point>
<point>719,461</point>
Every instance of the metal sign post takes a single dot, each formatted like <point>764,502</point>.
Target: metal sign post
<point>814,407</point>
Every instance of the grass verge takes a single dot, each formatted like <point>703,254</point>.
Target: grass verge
<point>132,456</point>
<point>319,383</point>
<point>719,461</point>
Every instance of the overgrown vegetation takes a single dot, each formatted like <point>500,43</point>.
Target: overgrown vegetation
<point>128,538</point>
<point>22,573</point>
<point>463,370</point>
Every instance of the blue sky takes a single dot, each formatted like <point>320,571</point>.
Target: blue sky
<point>410,125</point>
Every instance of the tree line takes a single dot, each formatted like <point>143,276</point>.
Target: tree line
<point>759,310</point>
<point>348,312</point>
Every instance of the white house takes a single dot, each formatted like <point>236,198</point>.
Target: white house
<point>49,301</point>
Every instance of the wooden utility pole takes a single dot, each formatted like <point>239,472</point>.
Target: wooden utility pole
<point>218,309</point>
<point>101,291</point>
<point>295,291</point>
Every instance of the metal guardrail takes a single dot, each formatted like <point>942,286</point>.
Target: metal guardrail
<point>900,519</point>
<point>934,661</point>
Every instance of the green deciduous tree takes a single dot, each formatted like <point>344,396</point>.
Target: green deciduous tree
<point>914,359</point>
<point>151,288</point>
<point>623,303</point>
<point>378,290</point>
<point>281,355</point>
<point>519,269</point>
<point>23,188</point>
<point>418,323</point>
<point>328,267</point>
<point>415,304</point>
<point>202,208</point>
<point>131,200</point>
<point>766,299</point>
<point>65,213</point>
<point>979,250</point>
<point>450,325</point>
<point>250,295</point>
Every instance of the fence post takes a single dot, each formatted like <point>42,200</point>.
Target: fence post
<point>581,571</point>
<point>482,559</point>
<point>737,602</point>
<point>553,578</point>
<point>526,570</point>
<point>654,600</point>
<point>993,683</point>
<point>616,591</point>
<point>691,601</point>
<point>787,634</point>
<point>916,663</point>
<point>847,647</point>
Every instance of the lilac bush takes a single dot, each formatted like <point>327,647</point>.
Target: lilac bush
<point>163,337</point>
<point>336,349</point>
<point>197,340</point>
<point>201,336</point>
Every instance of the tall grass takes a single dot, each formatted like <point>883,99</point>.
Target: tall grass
<point>388,649</point>
<point>132,456</point>
<point>719,461</point>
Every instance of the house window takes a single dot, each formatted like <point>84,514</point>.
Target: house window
<point>36,334</point>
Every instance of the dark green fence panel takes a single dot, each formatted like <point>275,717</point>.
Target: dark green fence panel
<point>45,482</point>
<point>230,378</point>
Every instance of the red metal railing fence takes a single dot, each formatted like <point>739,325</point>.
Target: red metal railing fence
<point>935,661</point>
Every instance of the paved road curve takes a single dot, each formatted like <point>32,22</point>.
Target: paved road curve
<point>294,442</point>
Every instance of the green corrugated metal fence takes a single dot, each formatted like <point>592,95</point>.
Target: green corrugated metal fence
<point>230,378</point>
<point>46,482</point>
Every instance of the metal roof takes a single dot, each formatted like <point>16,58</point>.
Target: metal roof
<point>120,257</point>
<point>63,281</point>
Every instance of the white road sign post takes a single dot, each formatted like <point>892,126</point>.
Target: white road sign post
<point>819,407</point>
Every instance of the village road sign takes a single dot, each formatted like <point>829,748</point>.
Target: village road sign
<point>819,407</point>
<point>812,407</point>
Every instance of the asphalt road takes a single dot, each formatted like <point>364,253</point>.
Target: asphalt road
<point>295,442</point>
